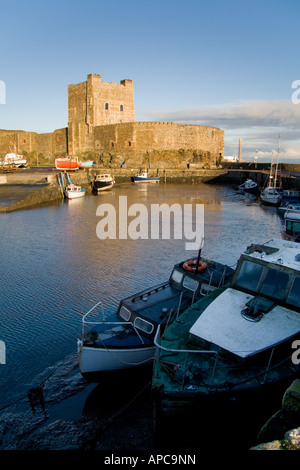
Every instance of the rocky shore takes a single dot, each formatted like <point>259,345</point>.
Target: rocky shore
<point>130,428</point>
<point>282,430</point>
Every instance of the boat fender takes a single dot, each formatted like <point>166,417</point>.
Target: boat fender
<point>193,266</point>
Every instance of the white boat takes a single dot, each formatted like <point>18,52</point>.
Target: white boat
<point>144,178</point>
<point>72,191</point>
<point>237,343</point>
<point>103,182</point>
<point>127,340</point>
<point>271,196</point>
<point>14,160</point>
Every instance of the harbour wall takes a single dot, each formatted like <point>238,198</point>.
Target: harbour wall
<point>46,190</point>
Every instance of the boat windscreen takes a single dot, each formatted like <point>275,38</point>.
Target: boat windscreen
<point>177,276</point>
<point>293,297</point>
<point>249,275</point>
<point>275,283</point>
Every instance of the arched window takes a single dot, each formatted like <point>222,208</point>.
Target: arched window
<point>121,107</point>
<point>106,105</point>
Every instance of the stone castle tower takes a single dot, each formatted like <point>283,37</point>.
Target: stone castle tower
<point>95,103</point>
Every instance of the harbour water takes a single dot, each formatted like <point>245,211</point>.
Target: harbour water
<point>54,268</point>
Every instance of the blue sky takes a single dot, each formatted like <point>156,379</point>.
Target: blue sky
<point>228,64</point>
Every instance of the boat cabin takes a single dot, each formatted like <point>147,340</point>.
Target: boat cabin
<point>291,229</point>
<point>259,312</point>
<point>148,309</point>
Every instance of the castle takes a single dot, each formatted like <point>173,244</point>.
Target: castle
<point>101,119</point>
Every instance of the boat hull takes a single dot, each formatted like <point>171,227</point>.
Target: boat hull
<point>171,404</point>
<point>74,194</point>
<point>271,202</point>
<point>249,187</point>
<point>103,186</point>
<point>271,197</point>
<point>250,191</point>
<point>65,164</point>
<point>87,164</point>
<point>96,360</point>
<point>137,179</point>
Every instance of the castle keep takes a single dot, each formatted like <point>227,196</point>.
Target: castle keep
<point>95,103</point>
<point>101,119</point>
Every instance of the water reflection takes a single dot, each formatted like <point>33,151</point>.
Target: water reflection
<point>55,268</point>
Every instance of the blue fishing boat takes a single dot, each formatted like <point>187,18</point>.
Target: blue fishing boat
<point>249,186</point>
<point>126,339</point>
<point>144,178</point>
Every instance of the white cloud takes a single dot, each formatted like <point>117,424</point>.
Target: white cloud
<point>258,123</point>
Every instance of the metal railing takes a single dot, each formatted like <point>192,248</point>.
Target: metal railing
<point>105,323</point>
<point>259,372</point>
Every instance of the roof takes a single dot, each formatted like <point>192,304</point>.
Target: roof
<point>222,324</point>
<point>283,252</point>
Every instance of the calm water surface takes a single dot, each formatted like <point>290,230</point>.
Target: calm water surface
<point>54,268</point>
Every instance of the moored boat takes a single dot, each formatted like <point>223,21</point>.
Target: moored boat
<point>285,205</point>
<point>291,195</point>
<point>249,186</point>
<point>103,182</point>
<point>144,178</point>
<point>72,191</point>
<point>126,340</point>
<point>291,230</point>
<point>87,164</point>
<point>14,160</point>
<point>236,343</point>
<point>271,196</point>
<point>67,163</point>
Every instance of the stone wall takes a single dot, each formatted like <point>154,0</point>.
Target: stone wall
<point>154,142</point>
<point>48,144</point>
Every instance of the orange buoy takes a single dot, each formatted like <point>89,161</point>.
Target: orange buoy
<point>193,266</point>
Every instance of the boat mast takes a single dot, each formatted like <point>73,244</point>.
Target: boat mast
<point>271,169</point>
<point>199,252</point>
<point>275,182</point>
